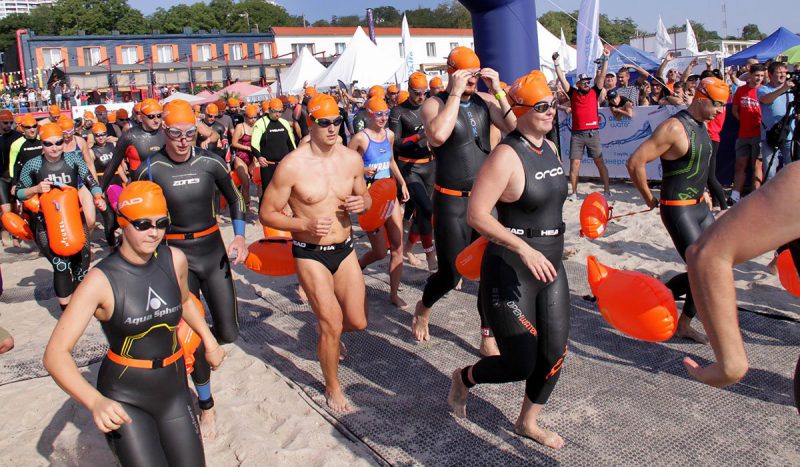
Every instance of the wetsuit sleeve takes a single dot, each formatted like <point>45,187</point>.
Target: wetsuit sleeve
<point>113,164</point>
<point>397,128</point>
<point>84,173</point>
<point>25,176</point>
<point>13,153</point>
<point>234,198</point>
<point>255,138</point>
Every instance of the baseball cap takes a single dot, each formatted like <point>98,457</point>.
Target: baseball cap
<point>584,77</point>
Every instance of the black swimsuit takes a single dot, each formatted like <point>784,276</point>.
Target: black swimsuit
<point>330,256</point>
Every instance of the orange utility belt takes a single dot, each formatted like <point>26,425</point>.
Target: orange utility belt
<point>191,235</point>
<point>415,161</point>
<point>449,192</point>
<point>679,202</point>
<point>145,364</point>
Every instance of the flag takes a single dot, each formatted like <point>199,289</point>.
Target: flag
<point>371,25</point>
<point>663,41</point>
<point>588,37</point>
<point>408,54</point>
<point>691,39</point>
<point>566,57</point>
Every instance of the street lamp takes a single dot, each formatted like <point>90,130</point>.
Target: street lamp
<point>246,16</point>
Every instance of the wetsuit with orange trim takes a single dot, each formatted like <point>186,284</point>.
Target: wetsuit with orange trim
<point>142,331</point>
<point>457,164</point>
<point>415,162</point>
<point>135,147</point>
<point>684,212</point>
<point>102,157</point>
<point>529,318</point>
<point>189,188</point>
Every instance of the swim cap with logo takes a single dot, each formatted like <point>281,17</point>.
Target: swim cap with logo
<point>6,116</point>
<point>310,91</point>
<point>50,130</point>
<point>376,91</point>
<point>212,109</point>
<point>322,106</point>
<point>179,112</point>
<point>462,58</point>
<point>139,200</point>
<point>28,120</point>
<point>54,111</point>
<point>715,88</point>
<point>66,123</point>
<point>250,111</point>
<point>528,90</point>
<point>150,107</point>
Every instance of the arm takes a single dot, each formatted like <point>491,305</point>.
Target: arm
<point>660,72</point>
<point>395,170</point>
<point>88,159</point>
<point>235,200</point>
<point>498,108</point>
<point>626,110</point>
<point>601,73</point>
<point>113,165</point>
<point>25,188</point>
<point>735,107</point>
<point>359,144</point>
<point>655,146</point>
<point>769,98</point>
<point>255,138</point>
<point>440,117</point>
<point>560,74</point>
<point>688,71</point>
<point>729,241</point>
<point>276,197</point>
<point>639,69</point>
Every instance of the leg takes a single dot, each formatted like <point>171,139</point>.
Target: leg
<point>576,145</point>
<point>740,169</point>
<point>87,205</point>
<point>394,229</point>
<point>595,149</point>
<point>180,436</point>
<point>241,171</point>
<point>137,443</point>
<point>574,169</point>
<point>62,276</point>
<point>377,241</point>
<point>714,186</point>
<point>601,167</point>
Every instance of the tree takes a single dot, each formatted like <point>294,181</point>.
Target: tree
<point>706,40</point>
<point>555,21</point>
<point>616,31</point>
<point>387,17</point>
<point>95,16</point>
<point>750,32</point>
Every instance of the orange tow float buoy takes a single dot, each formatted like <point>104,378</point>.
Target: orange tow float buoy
<point>17,226</point>
<point>32,204</point>
<point>62,215</point>
<point>188,339</point>
<point>636,304</point>
<point>271,257</point>
<point>468,262</point>
<point>787,272</point>
<point>594,215</point>
<point>383,193</point>
<point>275,234</point>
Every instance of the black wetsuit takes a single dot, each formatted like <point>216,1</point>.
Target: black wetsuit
<point>274,143</point>
<point>147,309</point>
<point>410,145</point>
<point>135,147</point>
<point>21,152</point>
<point>529,318</point>
<point>457,164</point>
<point>685,179</point>
<point>69,169</point>
<point>220,130</point>
<point>102,157</point>
<point>6,139</point>
<point>360,120</point>
<point>189,188</point>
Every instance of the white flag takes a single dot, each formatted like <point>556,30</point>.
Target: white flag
<point>691,39</point>
<point>408,55</point>
<point>567,64</point>
<point>663,41</point>
<point>588,37</point>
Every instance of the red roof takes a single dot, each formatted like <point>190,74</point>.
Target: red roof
<point>348,31</point>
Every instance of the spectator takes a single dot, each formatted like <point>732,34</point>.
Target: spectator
<point>691,86</point>
<point>584,100</point>
<point>59,94</point>
<point>747,110</point>
<point>658,93</point>
<point>668,79</point>
<point>644,92</point>
<point>678,95</point>
<point>609,83</point>
<point>620,106</point>
<point>774,98</point>
<point>624,87</point>
<point>31,99</point>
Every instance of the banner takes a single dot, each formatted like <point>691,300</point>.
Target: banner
<point>567,64</point>
<point>620,139</point>
<point>588,38</point>
<point>408,54</point>
<point>679,64</point>
<point>371,26</point>
<point>78,110</point>
<point>663,41</point>
<point>691,39</point>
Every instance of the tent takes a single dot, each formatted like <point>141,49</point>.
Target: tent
<point>793,54</point>
<point>187,97</point>
<point>361,61</point>
<point>305,69</point>
<point>548,44</point>
<point>624,54</point>
<point>239,89</point>
<point>775,44</point>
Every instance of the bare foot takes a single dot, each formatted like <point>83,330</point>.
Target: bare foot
<point>488,347</point>
<point>460,282</point>
<point>208,424</point>
<point>302,294</point>
<point>548,438</point>
<point>686,331</point>
<point>412,259</point>
<point>419,324</point>
<point>457,398</point>
<point>337,401</point>
<point>433,265</point>
<point>399,303</point>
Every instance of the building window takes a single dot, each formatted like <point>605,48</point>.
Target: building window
<point>129,55</point>
<point>297,48</point>
<point>340,48</point>
<point>204,52</point>
<point>265,50</point>
<point>431,47</point>
<point>164,54</point>
<point>402,49</point>
<point>52,57</point>
<point>453,45</point>
<point>235,51</point>
<point>91,56</point>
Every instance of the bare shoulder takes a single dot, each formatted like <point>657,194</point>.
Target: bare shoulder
<point>432,105</point>
<point>348,154</point>
<point>296,158</point>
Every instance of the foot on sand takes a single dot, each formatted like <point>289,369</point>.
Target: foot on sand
<point>208,424</point>
<point>419,324</point>
<point>548,438</point>
<point>412,259</point>
<point>457,398</point>
<point>337,401</point>
<point>399,303</point>
<point>686,331</point>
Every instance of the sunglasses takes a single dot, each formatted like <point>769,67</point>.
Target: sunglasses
<point>382,113</point>
<point>540,107</point>
<point>153,116</point>
<point>210,116</point>
<point>326,122</point>
<point>100,135</point>
<point>49,144</point>
<point>417,93</point>
<point>123,120</point>
<point>394,93</point>
<point>176,134</point>
<point>6,122</point>
<point>713,101</point>
<point>275,111</point>
<point>29,127</point>
<point>143,225</point>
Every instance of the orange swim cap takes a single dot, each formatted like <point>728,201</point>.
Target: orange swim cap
<point>311,91</point>
<point>418,81</point>
<point>54,111</point>
<point>150,107</point>
<point>99,127</point>
<point>88,116</point>
<point>322,106</point>
<point>715,88</point>
<point>18,119</point>
<point>212,109</point>
<point>66,123</point>
<point>250,111</point>
<point>6,116</point>
<point>179,112</point>
<point>137,108</point>
<point>100,108</point>
<point>112,117</point>
<point>402,97</point>
<point>528,90</point>
<point>276,104</point>
<point>50,130</point>
<point>292,100</point>
<point>221,105</point>
<point>376,90</point>
<point>28,120</point>
<point>122,114</point>
<point>376,104</point>
<point>436,82</point>
<point>462,58</point>
<point>392,88</point>
<point>139,200</point>
<point>233,102</point>
<point>265,106</point>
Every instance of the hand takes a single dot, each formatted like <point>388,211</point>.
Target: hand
<point>237,245</point>
<point>694,62</point>
<point>263,162</point>
<point>652,203</point>
<point>458,82</point>
<point>669,56</point>
<point>215,356</point>
<point>709,61</point>
<point>204,144</point>
<point>319,227</point>
<point>606,53</point>
<point>789,85</point>
<point>44,186</point>
<point>539,266</point>
<point>370,171</point>
<point>100,203</point>
<point>108,414</point>
<point>556,58</point>
<point>491,79</point>
<point>354,204</point>
<point>404,195</point>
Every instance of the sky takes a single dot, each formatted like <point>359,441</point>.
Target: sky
<point>645,13</point>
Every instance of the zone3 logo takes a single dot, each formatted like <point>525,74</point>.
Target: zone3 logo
<point>188,181</point>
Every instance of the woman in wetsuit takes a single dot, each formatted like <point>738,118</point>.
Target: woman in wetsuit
<point>523,283</point>
<point>99,157</point>
<point>139,294</point>
<point>374,143</point>
<point>54,167</point>
<point>243,160</point>
<point>76,145</point>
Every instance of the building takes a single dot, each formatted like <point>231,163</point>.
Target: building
<point>9,7</point>
<point>136,64</point>
<point>429,46</point>
<point>725,48</point>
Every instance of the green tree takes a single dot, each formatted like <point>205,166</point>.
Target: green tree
<point>96,16</point>
<point>616,31</point>
<point>555,21</point>
<point>347,21</point>
<point>750,32</point>
<point>387,17</point>
<point>706,40</point>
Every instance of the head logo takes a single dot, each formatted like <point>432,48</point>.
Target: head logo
<point>130,202</point>
<point>154,301</point>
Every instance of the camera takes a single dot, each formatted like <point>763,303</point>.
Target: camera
<point>794,76</point>
<point>555,56</point>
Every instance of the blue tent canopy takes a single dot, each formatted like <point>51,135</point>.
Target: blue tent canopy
<point>627,54</point>
<point>771,47</point>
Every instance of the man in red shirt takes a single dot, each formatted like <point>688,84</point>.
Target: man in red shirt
<point>585,123</point>
<point>747,110</point>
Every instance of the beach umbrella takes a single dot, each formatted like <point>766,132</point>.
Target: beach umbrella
<point>793,54</point>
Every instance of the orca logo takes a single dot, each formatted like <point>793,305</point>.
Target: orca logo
<point>130,202</point>
<point>188,181</point>
<point>154,301</point>
<point>549,173</point>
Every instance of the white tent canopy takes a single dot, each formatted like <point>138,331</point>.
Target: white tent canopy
<point>305,69</point>
<point>361,61</point>
<point>548,44</point>
<point>183,96</point>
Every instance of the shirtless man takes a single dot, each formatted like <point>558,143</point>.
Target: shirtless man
<point>323,183</point>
